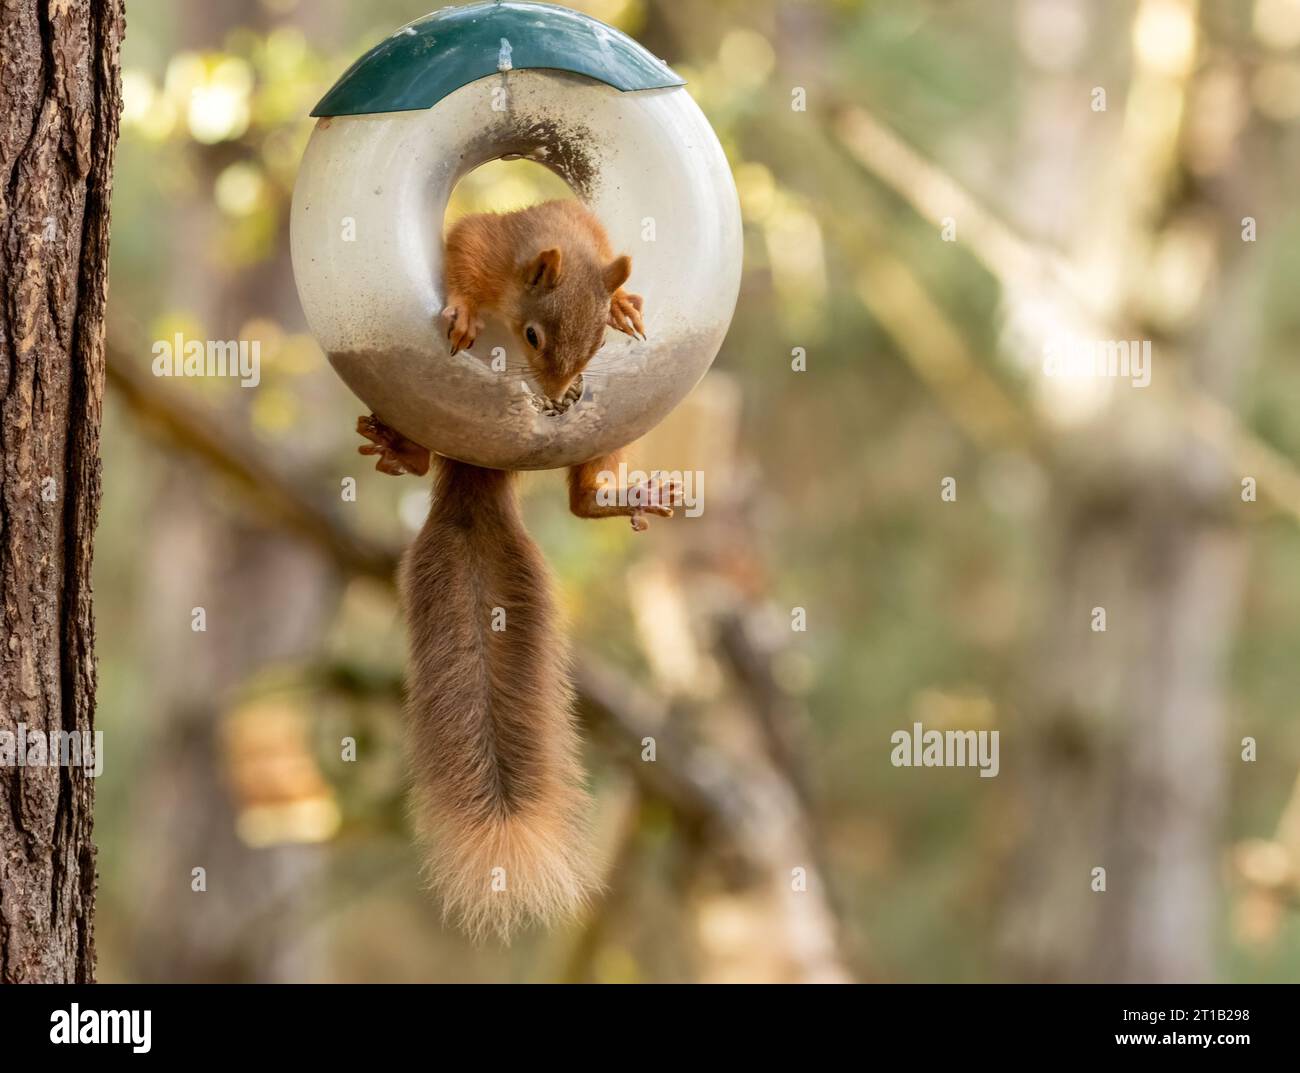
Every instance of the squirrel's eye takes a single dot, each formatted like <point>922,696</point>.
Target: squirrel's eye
<point>530,333</point>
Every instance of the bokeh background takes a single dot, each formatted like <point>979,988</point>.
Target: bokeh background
<point>955,192</point>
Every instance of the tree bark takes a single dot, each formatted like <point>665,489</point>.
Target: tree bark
<point>60,97</point>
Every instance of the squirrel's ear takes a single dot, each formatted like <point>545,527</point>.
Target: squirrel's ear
<point>544,269</point>
<point>616,272</point>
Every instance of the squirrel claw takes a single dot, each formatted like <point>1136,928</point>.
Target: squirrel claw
<point>397,454</point>
<point>462,326</point>
<point>625,314</point>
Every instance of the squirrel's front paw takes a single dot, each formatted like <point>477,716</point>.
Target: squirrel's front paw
<point>397,454</point>
<point>625,313</point>
<point>462,323</point>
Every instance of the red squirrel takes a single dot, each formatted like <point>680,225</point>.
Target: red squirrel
<point>498,790</point>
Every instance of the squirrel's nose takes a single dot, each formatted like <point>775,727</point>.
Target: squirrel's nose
<point>557,388</point>
<point>565,394</point>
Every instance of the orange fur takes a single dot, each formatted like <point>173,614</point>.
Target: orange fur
<point>493,747</point>
<point>549,267</point>
<point>498,786</point>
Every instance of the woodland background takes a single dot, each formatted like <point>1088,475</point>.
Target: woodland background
<point>1120,749</point>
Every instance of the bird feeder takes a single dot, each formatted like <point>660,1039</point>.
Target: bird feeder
<point>455,90</point>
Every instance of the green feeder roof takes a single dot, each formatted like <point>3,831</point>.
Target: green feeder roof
<point>429,58</point>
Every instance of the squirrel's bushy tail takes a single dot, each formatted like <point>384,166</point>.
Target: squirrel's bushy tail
<point>498,784</point>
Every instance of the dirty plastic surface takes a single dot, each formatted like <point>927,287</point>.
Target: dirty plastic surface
<point>366,238</point>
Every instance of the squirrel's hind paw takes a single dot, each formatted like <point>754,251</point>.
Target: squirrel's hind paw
<point>397,454</point>
<point>655,497</point>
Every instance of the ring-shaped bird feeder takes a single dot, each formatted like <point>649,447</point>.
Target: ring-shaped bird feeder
<point>455,90</point>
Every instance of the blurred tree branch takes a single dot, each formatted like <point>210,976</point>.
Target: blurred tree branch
<point>1018,263</point>
<point>240,459</point>
<point>1021,266</point>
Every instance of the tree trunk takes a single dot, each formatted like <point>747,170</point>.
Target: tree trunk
<point>60,95</point>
